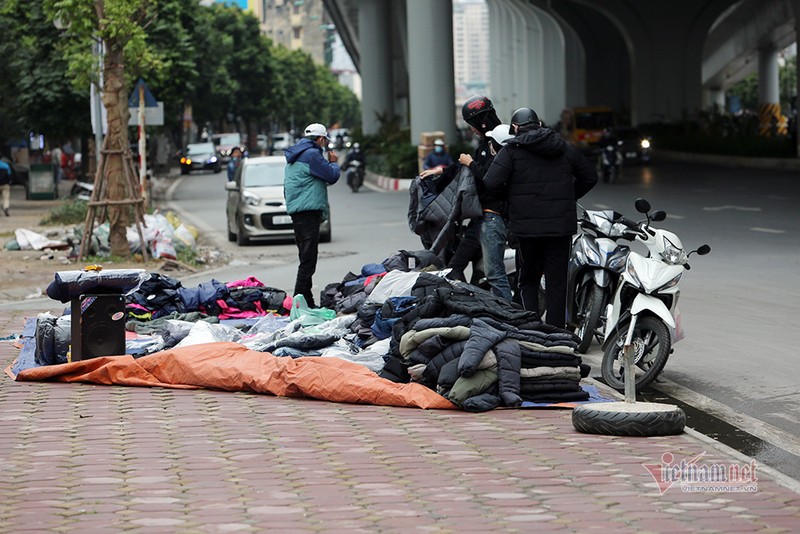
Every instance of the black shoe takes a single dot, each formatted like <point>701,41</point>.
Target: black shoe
<point>5,210</point>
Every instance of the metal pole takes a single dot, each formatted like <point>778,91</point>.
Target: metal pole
<point>97,102</point>
<point>630,364</point>
<point>142,146</point>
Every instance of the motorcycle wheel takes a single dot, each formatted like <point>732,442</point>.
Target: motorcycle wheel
<point>589,316</point>
<point>651,344</point>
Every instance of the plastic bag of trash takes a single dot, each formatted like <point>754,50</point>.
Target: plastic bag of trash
<point>163,248</point>
<point>203,332</point>
<point>184,237</point>
<point>309,316</point>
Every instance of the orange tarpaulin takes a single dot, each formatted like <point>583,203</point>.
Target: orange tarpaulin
<point>233,367</point>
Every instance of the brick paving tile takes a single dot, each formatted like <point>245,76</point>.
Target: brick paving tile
<point>94,458</point>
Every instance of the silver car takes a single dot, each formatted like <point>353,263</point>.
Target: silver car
<point>256,209</point>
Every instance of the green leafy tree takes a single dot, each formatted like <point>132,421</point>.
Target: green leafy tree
<point>43,99</point>
<point>121,27</point>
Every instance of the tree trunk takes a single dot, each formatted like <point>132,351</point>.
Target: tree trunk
<point>115,100</point>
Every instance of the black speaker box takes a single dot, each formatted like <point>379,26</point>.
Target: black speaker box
<point>98,326</point>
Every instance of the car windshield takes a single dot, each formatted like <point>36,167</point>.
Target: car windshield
<point>228,139</point>
<point>263,175</point>
<point>200,148</point>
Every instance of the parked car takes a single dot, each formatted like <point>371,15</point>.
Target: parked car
<point>256,209</point>
<point>200,156</point>
<point>635,146</point>
<point>226,142</point>
<point>281,141</point>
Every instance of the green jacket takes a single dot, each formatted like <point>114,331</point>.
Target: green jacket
<point>307,177</point>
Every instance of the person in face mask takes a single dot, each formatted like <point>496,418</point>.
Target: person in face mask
<point>233,164</point>
<point>439,158</point>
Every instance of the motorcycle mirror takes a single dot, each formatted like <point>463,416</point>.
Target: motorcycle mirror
<point>659,215</point>
<point>642,206</point>
<point>703,250</point>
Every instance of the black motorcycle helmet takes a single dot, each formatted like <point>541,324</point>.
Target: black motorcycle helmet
<point>525,119</point>
<point>479,113</point>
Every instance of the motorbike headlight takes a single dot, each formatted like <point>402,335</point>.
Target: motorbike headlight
<point>671,283</point>
<point>672,254</point>
<point>592,256</point>
<point>617,263</point>
<point>188,161</point>
<point>250,199</point>
<point>645,143</point>
<point>634,277</point>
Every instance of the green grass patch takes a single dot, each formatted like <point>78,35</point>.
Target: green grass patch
<point>70,212</point>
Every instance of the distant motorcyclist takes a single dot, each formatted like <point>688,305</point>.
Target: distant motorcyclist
<point>355,165</point>
<point>355,154</point>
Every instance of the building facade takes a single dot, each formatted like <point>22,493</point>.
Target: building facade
<point>470,47</point>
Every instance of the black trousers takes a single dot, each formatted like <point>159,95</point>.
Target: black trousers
<point>306,237</point>
<point>548,256</point>
<point>468,250</point>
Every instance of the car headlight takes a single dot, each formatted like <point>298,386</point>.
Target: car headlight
<point>212,159</point>
<point>188,161</point>
<point>645,143</point>
<point>250,199</point>
<point>672,254</point>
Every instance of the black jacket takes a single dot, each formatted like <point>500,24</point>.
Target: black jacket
<point>542,176</point>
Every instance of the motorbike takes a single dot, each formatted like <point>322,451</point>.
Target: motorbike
<point>595,266</point>
<point>355,175</point>
<point>81,190</point>
<point>611,162</point>
<point>643,317</point>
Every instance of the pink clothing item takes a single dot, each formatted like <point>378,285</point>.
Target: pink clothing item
<point>250,281</point>
<point>373,277</point>
<point>235,313</point>
<point>287,302</point>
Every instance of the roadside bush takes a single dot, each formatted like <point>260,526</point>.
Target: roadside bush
<point>722,134</point>
<point>70,212</point>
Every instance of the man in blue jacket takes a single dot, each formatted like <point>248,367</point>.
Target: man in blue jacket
<point>307,177</point>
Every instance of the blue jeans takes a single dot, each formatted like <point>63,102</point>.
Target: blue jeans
<point>493,245</point>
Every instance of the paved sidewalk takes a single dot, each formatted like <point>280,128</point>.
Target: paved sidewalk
<point>79,457</point>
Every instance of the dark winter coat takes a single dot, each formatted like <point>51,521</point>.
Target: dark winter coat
<point>542,176</point>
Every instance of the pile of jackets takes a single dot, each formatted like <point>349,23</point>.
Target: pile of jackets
<point>160,296</point>
<point>479,351</point>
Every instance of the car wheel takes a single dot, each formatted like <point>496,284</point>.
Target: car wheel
<point>241,239</point>
<point>231,236</point>
<point>218,169</point>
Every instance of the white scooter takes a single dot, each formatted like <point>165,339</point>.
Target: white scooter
<point>644,317</point>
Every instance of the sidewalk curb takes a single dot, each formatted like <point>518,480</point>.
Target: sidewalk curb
<point>388,184</point>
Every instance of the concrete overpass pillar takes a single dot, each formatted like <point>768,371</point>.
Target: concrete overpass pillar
<point>714,99</point>
<point>376,62</point>
<point>769,98</point>
<point>431,73</point>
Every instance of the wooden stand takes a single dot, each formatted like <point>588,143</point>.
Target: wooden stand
<point>100,198</point>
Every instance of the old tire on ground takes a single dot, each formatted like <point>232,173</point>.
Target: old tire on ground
<point>629,419</point>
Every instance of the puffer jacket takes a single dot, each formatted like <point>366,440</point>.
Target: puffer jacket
<point>542,176</point>
<point>306,178</point>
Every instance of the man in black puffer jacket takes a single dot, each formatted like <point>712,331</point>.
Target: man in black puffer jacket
<point>542,176</point>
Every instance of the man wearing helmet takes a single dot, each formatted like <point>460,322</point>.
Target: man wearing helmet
<point>541,176</point>
<point>305,188</point>
<point>490,229</point>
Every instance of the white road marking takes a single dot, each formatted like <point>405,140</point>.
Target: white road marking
<point>767,230</point>
<point>671,216</point>
<point>740,208</point>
